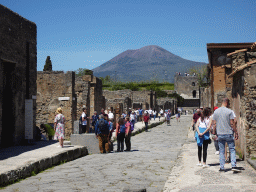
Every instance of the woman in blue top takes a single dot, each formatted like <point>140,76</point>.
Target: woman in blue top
<point>203,135</point>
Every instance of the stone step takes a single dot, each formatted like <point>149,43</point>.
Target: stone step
<point>67,143</point>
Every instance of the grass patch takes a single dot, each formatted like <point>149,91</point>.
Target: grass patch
<point>253,158</point>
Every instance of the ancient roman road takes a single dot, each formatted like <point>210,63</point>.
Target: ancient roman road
<point>146,166</point>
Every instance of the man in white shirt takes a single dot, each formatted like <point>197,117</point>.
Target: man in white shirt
<point>84,121</point>
<point>110,115</point>
<point>150,113</point>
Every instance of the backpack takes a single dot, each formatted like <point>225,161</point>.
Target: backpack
<point>101,124</point>
<point>122,128</point>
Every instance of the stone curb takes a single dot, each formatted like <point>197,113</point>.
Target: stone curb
<point>42,164</point>
<point>252,163</point>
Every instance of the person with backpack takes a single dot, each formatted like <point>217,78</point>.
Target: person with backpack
<point>120,134</point>
<point>128,134</point>
<point>102,133</point>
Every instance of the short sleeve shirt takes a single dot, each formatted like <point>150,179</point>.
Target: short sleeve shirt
<point>85,121</point>
<point>222,116</point>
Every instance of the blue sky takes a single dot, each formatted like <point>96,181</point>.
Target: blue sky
<point>87,33</point>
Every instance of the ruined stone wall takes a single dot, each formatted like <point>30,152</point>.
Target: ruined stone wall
<point>166,103</point>
<point>186,85</point>
<point>89,94</point>
<point>50,87</point>
<point>18,52</point>
<point>82,91</point>
<point>243,102</point>
<point>205,97</point>
<point>142,99</point>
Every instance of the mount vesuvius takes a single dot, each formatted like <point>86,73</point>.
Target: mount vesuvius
<point>147,63</point>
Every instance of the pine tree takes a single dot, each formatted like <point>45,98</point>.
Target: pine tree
<point>48,64</point>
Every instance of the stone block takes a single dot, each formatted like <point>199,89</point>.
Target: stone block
<point>77,153</point>
<point>77,127</point>
<point>252,77</point>
<point>88,140</point>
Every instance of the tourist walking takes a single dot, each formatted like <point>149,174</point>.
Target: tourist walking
<point>150,113</point>
<point>141,115</point>
<point>146,119</point>
<point>132,118</point>
<point>178,115</point>
<point>159,115</point>
<point>94,119</point>
<point>128,134</point>
<point>102,133</point>
<point>203,135</point>
<point>154,114</point>
<point>168,117</point>
<point>195,118</point>
<point>59,127</point>
<point>214,137</point>
<point>226,132</point>
<point>120,134</point>
<point>84,121</point>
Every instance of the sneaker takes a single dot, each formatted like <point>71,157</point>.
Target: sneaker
<point>206,166</point>
<point>217,153</point>
<point>222,170</point>
<point>236,169</point>
<point>59,146</point>
<point>199,164</point>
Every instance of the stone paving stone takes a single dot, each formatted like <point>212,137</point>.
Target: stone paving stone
<point>147,166</point>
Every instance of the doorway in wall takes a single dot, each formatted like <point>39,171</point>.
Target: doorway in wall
<point>8,106</point>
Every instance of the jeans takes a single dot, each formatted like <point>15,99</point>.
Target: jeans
<point>222,139</point>
<point>146,126</point>
<point>128,142</point>
<point>216,144</point>
<point>154,117</point>
<point>120,141</point>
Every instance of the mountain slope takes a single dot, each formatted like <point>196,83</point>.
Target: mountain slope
<point>147,63</point>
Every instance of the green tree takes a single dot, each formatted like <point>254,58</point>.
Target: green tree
<point>82,72</point>
<point>201,74</point>
<point>48,64</point>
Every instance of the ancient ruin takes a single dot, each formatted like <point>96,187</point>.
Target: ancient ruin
<point>18,66</point>
<point>58,89</point>
<point>232,72</point>
<point>188,88</point>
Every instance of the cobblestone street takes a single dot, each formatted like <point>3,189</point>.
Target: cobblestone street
<point>147,166</point>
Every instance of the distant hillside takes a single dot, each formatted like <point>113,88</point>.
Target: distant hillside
<point>147,63</point>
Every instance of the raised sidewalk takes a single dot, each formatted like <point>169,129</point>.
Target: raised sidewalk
<point>187,176</point>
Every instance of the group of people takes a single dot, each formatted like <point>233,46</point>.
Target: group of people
<point>222,125</point>
<point>103,125</point>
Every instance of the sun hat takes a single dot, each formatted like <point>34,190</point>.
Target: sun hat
<point>59,110</point>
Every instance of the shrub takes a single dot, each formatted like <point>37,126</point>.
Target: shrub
<point>49,130</point>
